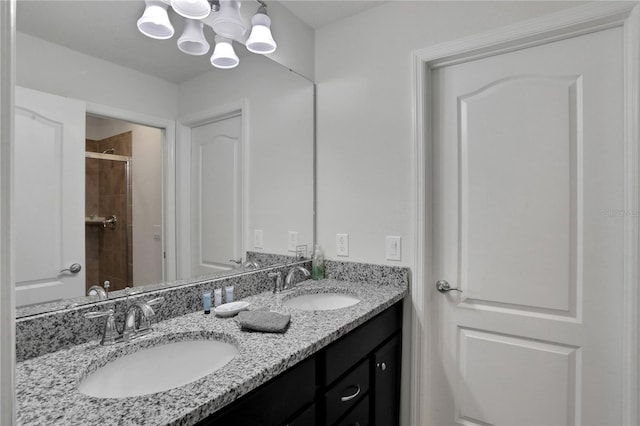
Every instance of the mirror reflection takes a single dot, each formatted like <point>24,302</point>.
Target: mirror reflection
<point>170,192</point>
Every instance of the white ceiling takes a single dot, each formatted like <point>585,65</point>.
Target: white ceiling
<point>318,13</point>
<point>106,29</point>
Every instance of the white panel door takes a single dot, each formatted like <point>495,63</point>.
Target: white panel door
<point>216,196</point>
<point>48,197</point>
<point>528,162</point>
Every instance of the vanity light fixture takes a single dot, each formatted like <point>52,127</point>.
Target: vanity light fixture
<point>154,22</point>
<point>223,55</point>
<point>192,40</point>
<point>261,41</point>
<point>227,22</point>
<point>222,16</point>
<point>191,9</point>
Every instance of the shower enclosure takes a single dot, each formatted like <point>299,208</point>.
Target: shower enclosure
<point>108,212</point>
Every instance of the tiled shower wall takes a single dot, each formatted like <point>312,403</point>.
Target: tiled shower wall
<point>108,256</point>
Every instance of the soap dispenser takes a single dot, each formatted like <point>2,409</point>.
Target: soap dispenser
<point>317,263</point>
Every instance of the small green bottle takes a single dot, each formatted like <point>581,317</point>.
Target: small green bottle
<point>317,263</point>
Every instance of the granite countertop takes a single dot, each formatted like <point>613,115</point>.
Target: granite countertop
<point>46,386</point>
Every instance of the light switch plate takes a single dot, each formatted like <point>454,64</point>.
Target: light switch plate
<point>258,239</point>
<point>393,248</point>
<point>342,245</point>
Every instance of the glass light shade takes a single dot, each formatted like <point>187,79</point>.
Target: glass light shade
<point>223,54</point>
<point>228,22</point>
<point>154,22</point>
<point>192,9</point>
<point>261,41</point>
<point>192,40</point>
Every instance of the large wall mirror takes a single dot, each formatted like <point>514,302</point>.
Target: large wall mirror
<point>177,170</point>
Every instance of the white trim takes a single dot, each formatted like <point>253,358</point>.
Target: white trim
<point>7,287</point>
<point>561,25</point>
<point>169,219</point>
<point>183,175</point>
<point>631,331</point>
<point>419,401</point>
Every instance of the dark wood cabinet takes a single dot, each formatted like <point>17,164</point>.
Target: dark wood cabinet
<point>359,416</point>
<point>306,418</point>
<point>386,383</point>
<point>282,398</point>
<point>355,381</point>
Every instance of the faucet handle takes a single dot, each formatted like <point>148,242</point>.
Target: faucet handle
<point>110,331</point>
<point>99,314</point>
<point>277,284</point>
<point>156,301</point>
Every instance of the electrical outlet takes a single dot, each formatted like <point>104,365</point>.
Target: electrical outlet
<point>342,245</point>
<point>393,247</point>
<point>258,239</point>
<point>292,241</point>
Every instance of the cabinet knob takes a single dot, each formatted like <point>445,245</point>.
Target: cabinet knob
<point>381,366</point>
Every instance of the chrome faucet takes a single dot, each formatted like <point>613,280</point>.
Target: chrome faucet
<point>288,282</point>
<point>101,292</point>
<point>133,326</point>
<point>136,327</point>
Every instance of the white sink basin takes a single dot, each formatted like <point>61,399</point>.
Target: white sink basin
<point>321,301</point>
<point>158,369</point>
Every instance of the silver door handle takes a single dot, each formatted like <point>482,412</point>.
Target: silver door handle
<point>74,268</point>
<point>443,287</point>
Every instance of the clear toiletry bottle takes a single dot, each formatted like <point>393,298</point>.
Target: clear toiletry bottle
<point>206,302</point>
<point>317,263</point>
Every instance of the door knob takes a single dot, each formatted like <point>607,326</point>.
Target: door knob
<point>74,268</point>
<point>443,287</point>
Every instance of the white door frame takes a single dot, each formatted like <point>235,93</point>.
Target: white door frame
<point>7,288</point>
<point>183,175</point>
<point>169,219</point>
<point>561,25</point>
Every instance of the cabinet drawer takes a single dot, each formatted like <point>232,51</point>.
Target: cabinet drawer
<point>359,416</point>
<point>307,418</point>
<point>353,347</point>
<point>347,392</point>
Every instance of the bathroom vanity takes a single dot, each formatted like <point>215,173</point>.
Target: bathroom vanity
<point>355,380</point>
<point>330,367</point>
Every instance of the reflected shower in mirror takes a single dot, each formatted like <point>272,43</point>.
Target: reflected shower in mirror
<point>123,203</point>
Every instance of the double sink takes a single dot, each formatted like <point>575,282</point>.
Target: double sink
<point>155,369</point>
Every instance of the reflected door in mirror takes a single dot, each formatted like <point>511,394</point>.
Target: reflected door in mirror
<point>216,195</point>
<point>48,198</point>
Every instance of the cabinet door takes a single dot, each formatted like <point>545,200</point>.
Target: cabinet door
<point>272,403</point>
<point>386,387</point>
<point>357,345</point>
<point>307,418</point>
